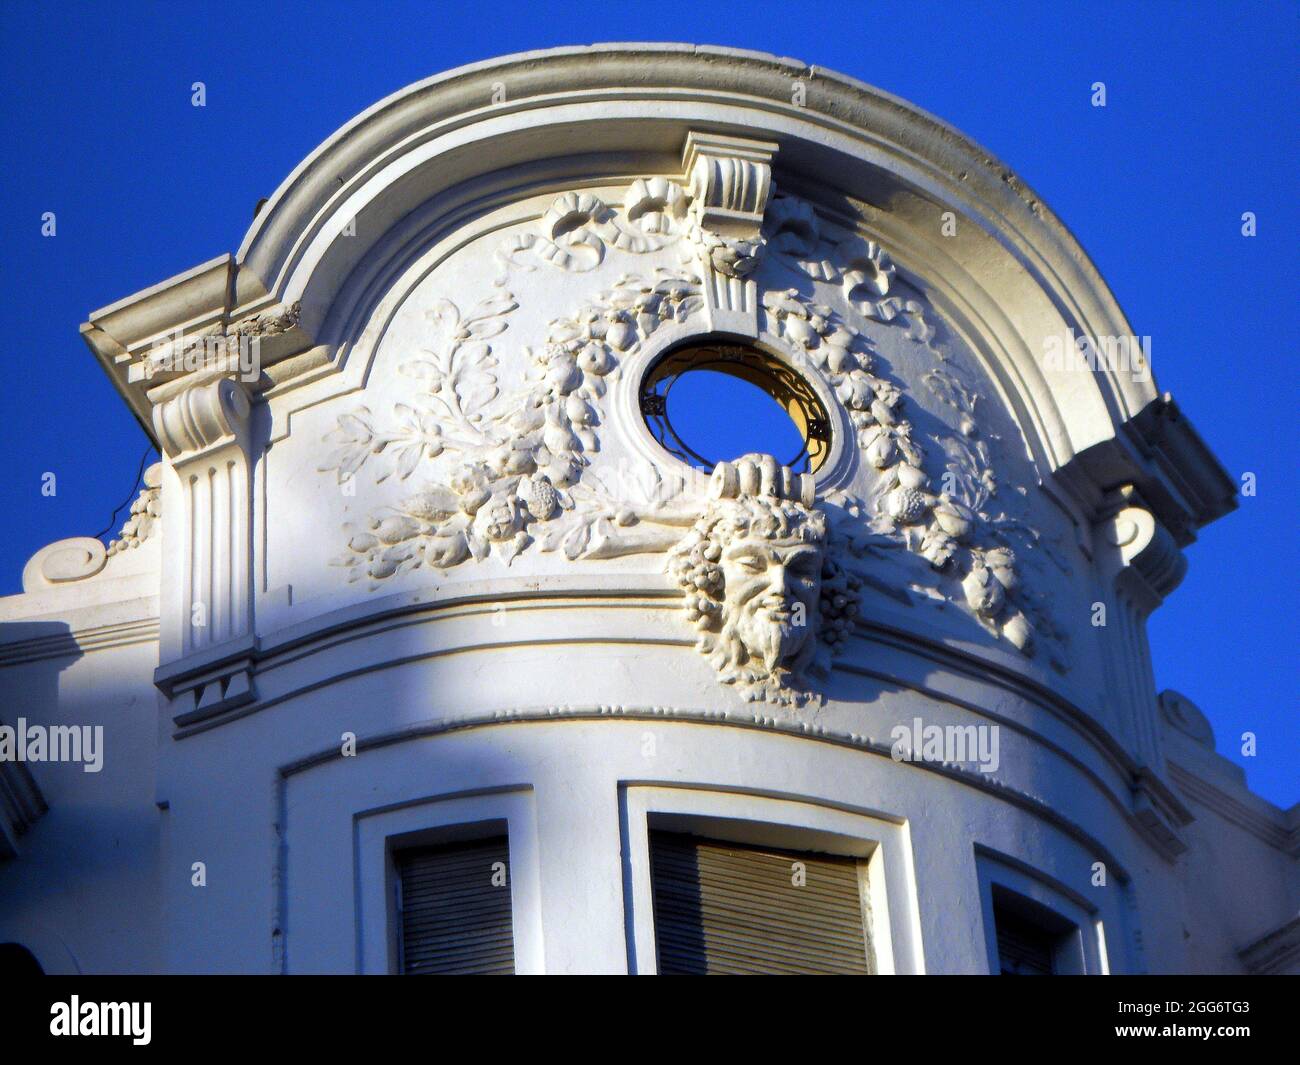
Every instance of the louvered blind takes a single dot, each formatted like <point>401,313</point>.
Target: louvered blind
<point>454,919</point>
<point>1024,948</point>
<point>729,908</point>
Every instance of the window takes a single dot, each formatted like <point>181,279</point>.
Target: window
<point>735,908</point>
<point>453,908</point>
<point>1031,939</point>
<point>711,403</point>
<point>1035,923</point>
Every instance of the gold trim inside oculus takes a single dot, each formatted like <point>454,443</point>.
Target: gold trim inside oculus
<point>778,379</point>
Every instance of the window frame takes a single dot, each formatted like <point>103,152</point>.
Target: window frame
<point>1080,950</point>
<point>860,879</point>
<point>880,846</point>
<point>380,834</point>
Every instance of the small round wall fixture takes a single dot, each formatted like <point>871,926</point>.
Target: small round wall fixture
<point>691,374</point>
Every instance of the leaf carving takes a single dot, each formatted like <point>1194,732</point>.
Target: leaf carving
<point>576,542</point>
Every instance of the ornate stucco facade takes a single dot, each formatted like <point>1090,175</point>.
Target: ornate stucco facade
<point>414,558</point>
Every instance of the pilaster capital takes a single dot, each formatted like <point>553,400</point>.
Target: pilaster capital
<point>1140,552</point>
<point>201,417</point>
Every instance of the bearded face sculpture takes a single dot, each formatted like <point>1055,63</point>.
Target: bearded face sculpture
<point>771,590</point>
<point>751,568</point>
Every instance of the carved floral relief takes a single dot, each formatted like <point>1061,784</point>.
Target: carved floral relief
<point>772,577</point>
<point>146,511</point>
<point>518,456</point>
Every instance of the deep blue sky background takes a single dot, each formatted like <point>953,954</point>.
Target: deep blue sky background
<point>96,125</point>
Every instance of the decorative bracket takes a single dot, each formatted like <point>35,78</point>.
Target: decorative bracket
<point>1143,563</point>
<point>1144,559</point>
<point>204,430</point>
<point>730,181</point>
<point>1160,813</point>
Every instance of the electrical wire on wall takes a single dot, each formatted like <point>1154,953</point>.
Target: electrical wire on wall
<point>135,488</point>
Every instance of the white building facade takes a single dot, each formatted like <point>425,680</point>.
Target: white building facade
<point>429,647</point>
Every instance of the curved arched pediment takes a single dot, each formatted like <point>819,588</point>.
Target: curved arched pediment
<point>461,290</point>
<point>499,378</point>
<point>1009,268</point>
<point>424,161</point>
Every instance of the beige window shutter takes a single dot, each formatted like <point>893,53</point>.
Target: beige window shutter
<point>732,908</point>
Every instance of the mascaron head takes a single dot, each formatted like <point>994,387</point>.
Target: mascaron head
<point>751,569</point>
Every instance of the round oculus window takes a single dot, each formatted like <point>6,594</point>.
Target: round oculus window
<point>711,403</point>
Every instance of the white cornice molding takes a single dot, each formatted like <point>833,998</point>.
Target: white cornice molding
<point>76,642</point>
<point>1272,830</point>
<point>203,697</point>
<point>1277,952</point>
<point>505,716</point>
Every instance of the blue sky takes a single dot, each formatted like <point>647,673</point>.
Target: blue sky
<point>96,125</point>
